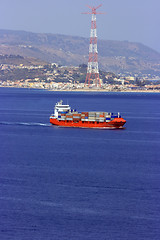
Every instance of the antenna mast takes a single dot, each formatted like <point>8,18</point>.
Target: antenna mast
<point>92,69</point>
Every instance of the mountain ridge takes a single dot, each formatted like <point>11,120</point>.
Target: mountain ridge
<point>117,56</point>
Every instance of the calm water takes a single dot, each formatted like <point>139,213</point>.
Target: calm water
<point>79,184</point>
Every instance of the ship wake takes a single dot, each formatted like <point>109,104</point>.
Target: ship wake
<point>25,124</point>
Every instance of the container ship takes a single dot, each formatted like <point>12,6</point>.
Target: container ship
<point>65,116</point>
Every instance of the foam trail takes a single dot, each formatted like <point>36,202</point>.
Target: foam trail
<point>25,124</point>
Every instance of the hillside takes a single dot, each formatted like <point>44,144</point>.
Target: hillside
<point>115,56</point>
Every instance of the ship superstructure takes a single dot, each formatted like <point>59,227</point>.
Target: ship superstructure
<point>65,116</point>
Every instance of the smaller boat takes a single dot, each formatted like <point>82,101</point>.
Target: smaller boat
<point>65,116</point>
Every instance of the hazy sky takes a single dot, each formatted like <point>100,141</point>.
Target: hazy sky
<point>136,21</point>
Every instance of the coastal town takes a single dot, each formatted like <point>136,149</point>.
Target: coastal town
<point>55,77</point>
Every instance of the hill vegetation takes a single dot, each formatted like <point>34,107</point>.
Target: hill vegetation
<point>114,56</point>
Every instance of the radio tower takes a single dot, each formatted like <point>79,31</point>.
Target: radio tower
<point>92,69</point>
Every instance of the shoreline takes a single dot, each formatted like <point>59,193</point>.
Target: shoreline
<point>86,90</point>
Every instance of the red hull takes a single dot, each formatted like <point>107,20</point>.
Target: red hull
<point>116,123</point>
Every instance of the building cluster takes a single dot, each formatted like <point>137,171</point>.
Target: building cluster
<point>63,78</point>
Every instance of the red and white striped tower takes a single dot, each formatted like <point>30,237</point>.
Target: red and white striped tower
<point>92,70</point>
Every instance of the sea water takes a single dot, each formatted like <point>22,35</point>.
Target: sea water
<point>61,183</point>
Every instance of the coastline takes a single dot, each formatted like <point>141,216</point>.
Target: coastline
<point>86,90</point>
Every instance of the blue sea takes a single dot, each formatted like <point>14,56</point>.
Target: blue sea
<point>61,183</point>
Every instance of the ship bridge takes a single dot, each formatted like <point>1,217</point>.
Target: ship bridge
<point>60,107</point>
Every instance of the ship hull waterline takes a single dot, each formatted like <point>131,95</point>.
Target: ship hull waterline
<point>116,123</point>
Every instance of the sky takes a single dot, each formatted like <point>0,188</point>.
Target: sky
<point>134,21</point>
